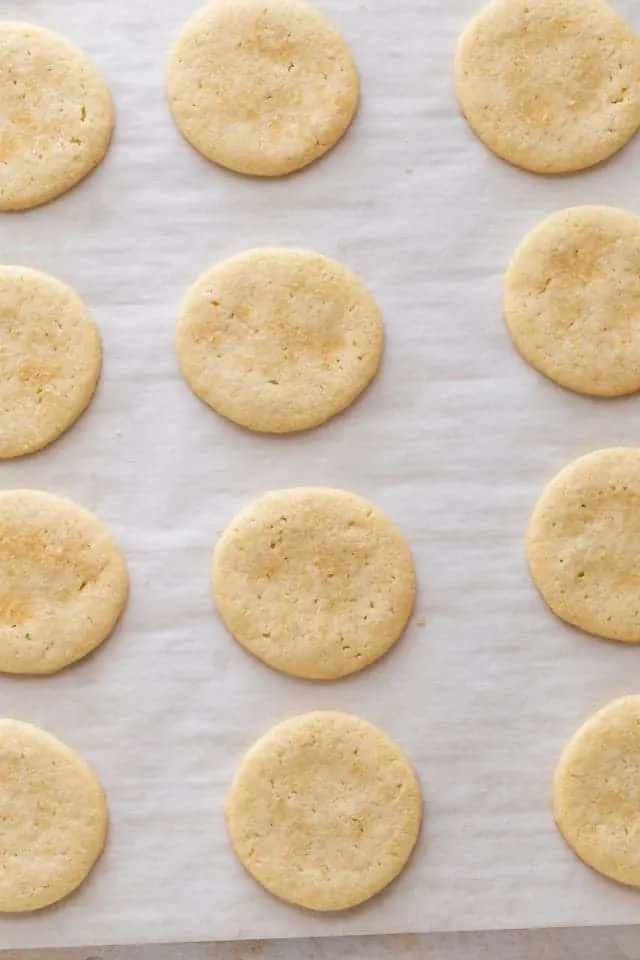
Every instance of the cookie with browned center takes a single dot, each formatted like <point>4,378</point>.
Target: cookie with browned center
<point>279,340</point>
<point>263,87</point>
<point>550,85</point>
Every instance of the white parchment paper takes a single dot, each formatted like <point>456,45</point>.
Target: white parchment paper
<point>454,440</point>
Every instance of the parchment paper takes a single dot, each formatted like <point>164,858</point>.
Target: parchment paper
<point>454,440</point>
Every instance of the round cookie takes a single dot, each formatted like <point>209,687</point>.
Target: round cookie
<point>50,359</point>
<point>63,582</point>
<point>53,818</point>
<point>263,87</point>
<point>552,85</point>
<point>279,340</point>
<point>572,300</point>
<point>582,544</point>
<point>596,788</point>
<point>56,116</point>
<point>324,811</point>
<point>315,582</point>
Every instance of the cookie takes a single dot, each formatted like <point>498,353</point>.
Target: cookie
<point>582,544</point>
<point>63,582</point>
<point>56,116</point>
<point>572,300</point>
<point>50,359</point>
<point>550,85</point>
<point>53,818</point>
<point>279,340</point>
<point>324,811</point>
<point>263,87</point>
<point>596,788</point>
<point>314,582</point>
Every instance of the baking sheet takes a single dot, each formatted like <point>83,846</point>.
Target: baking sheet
<point>454,441</point>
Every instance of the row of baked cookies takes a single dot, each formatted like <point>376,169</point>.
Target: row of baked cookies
<point>280,340</point>
<point>267,88</point>
<point>316,582</point>
<point>275,340</point>
<point>582,547</point>
<point>554,86</point>
<point>260,88</point>
<point>324,812</point>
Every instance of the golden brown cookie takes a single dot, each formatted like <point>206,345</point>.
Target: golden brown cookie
<point>582,544</point>
<point>263,87</point>
<point>550,85</point>
<point>324,811</point>
<point>596,788</point>
<point>572,300</point>
<point>56,116</point>
<point>53,818</point>
<point>315,582</point>
<point>50,360</point>
<point>63,582</point>
<point>279,340</point>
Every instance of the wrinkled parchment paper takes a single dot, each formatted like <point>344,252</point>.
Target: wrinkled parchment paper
<point>454,441</point>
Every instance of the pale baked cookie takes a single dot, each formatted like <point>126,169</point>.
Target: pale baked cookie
<point>315,582</point>
<point>279,340</point>
<point>572,300</point>
<point>324,811</point>
<point>53,818</point>
<point>50,358</point>
<point>582,544</point>
<point>596,788</point>
<point>262,87</point>
<point>550,85</point>
<point>56,116</point>
<point>63,582</point>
